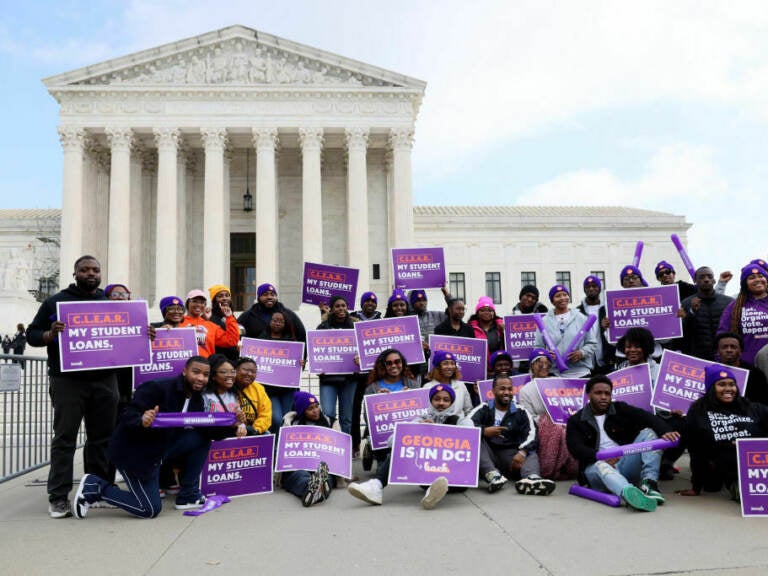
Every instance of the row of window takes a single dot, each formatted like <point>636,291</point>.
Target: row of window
<point>457,282</point>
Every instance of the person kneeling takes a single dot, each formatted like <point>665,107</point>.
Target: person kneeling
<point>509,442</point>
<point>137,449</point>
<point>603,424</point>
<point>442,409</point>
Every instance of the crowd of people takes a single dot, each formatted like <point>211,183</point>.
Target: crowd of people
<point>519,441</point>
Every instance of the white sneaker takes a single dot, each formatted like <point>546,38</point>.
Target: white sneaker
<point>79,503</point>
<point>371,491</point>
<point>436,491</point>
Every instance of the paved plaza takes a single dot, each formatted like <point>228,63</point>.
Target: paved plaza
<point>470,533</point>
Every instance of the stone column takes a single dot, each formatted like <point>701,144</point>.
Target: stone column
<point>181,214</point>
<point>72,142</point>
<point>214,217</point>
<point>119,245</point>
<point>265,142</point>
<point>311,140</point>
<point>167,221</point>
<point>357,203</point>
<point>139,237</point>
<point>401,197</point>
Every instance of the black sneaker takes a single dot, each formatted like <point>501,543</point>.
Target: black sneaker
<point>59,508</point>
<point>79,503</point>
<point>313,494</point>
<point>325,480</point>
<point>192,503</point>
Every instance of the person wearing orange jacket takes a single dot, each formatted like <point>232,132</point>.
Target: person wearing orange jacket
<point>208,334</point>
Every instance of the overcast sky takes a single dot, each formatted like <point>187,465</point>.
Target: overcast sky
<point>657,105</point>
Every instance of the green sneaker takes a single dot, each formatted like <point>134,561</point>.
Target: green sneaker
<point>635,498</point>
<point>651,489</point>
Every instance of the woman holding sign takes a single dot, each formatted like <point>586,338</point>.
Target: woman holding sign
<point>563,328</point>
<point>748,314</point>
<point>338,387</point>
<point>713,424</point>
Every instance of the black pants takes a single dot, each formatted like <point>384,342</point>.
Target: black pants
<point>74,399</point>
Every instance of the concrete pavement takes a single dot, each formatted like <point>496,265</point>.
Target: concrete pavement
<point>470,533</point>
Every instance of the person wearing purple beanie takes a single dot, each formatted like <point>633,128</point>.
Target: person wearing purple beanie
<point>747,316</point>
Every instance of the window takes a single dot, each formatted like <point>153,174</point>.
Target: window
<point>493,286</point>
<point>564,278</point>
<point>456,285</point>
<point>527,279</point>
<point>600,274</point>
<point>377,272</point>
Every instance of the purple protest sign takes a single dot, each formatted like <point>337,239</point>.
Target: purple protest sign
<point>418,268</point>
<point>239,466</point>
<point>386,410</point>
<point>753,476</point>
<point>422,453</point>
<point>332,352</point>
<point>304,447</point>
<point>103,334</point>
<point>375,336</point>
<point>193,419</point>
<point>632,385</point>
<point>520,335</point>
<point>278,362</point>
<point>170,350</point>
<point>471,354</point>
<point>681,381</point>
<point>485,387</point>
<point>562,397</point>
<point>321,281</point>
<point>653,308</point>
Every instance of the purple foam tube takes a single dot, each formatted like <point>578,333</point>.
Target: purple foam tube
<point>684,256</point>
<point>638,254</point>
<point>597,496</point>
<point>562,365</point>
<point>193,419</point>
<point>591,319</point>
<point>619,451</point>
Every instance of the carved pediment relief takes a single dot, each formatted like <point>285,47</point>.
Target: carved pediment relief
<point>235,62</point>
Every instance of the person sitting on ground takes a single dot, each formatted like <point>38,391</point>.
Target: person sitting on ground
<point>137,449</point>
<point>603,424</point>
<point>311,487</point>
<point>713,424</point>
<point>508,443</point>
<point>253,398</point>
<point>555,462</point>
<point>443,409</point>
<point>447,372</point>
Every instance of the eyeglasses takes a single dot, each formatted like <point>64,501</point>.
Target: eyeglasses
<point>119,295</point>
<point>665,273</point>
<point>397,362</point>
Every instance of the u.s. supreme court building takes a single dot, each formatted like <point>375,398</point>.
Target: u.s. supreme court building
<point>236,155</point>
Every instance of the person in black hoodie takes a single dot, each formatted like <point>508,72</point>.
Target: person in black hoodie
<point>713,424</point>
<point>137,449</point>
<point>89,395</point>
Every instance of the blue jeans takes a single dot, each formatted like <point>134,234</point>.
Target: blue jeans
<point>282,402</point>
<point>630,469</point>
<point>345,394</point>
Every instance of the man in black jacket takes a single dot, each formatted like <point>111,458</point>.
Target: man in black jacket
<point>508,442</point>
<point>602,425</point>
<point>702,316</point>
<point>88,394</point>
<point>137,449</point>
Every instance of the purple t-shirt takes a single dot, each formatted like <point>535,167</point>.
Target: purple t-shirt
<point>753,326</point>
